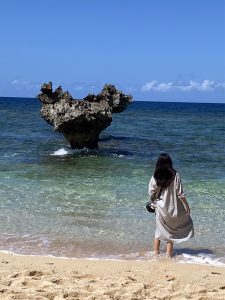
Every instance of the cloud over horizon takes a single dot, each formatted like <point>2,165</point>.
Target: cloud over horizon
<point>204,86</point>
<point>205,90</point>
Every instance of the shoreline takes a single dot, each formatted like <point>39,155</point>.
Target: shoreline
<point>45,277</point>
<point>198,259</point>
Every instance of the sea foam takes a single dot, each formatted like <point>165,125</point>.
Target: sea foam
<point>60,152</point>
<point>202,258</point>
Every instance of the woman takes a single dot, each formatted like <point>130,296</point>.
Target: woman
<point>173,221</point>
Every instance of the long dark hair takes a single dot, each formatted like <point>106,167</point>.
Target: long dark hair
<point>164,172</point>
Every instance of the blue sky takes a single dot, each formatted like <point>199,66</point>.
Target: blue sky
<point>157,50</point>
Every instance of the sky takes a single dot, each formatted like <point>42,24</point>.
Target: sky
<point>155,50</point>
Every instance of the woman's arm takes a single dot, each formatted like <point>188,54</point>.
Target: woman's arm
<point>181,194</point>
<point>185,203</point>
<point>152,188</point>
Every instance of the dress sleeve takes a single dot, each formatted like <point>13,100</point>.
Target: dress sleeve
<point>179,186</point>
<point>152,186</point>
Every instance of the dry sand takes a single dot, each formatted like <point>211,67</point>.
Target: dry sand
<point>36,278</point>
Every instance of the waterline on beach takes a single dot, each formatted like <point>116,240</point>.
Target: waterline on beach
<point>201,259</point>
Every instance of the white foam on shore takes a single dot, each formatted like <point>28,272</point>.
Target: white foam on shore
<point>205,259</point>
<point>60,152</point>
<point>201,259</point>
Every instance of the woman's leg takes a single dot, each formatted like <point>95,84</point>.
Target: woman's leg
<point>169,249</point>
<point>156,246</point>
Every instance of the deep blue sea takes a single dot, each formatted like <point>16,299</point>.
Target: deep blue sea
<point>55,201</point>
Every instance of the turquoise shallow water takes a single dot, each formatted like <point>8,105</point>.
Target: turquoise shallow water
<point>92,204</point>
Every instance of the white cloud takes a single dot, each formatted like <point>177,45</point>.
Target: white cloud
<point>154,85</point>
<point>164,86</point>
<point>193,85</point>
<point>207,85</point>
<point>15,81</point>
<point>24,84</point>
<point>149,86</point>
<point>220,85</point>
<point>204,86</point>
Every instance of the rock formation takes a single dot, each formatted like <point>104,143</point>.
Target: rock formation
<point>81,121</point>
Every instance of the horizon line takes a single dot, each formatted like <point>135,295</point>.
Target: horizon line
<point>153,101</point>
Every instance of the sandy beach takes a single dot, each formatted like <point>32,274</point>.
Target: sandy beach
<point>34,277</point>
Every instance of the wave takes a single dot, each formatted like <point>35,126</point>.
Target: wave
<point>11,154</point>
<point>202,258</point>
<point>205,259</point>
<point>60,152</point>
<point>87,152</point>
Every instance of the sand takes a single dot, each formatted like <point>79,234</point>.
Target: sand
<point>36,278</point>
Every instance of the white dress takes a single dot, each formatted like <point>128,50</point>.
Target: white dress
<point>173,224</point>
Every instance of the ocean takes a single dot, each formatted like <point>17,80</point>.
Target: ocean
<point>69,203</point>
